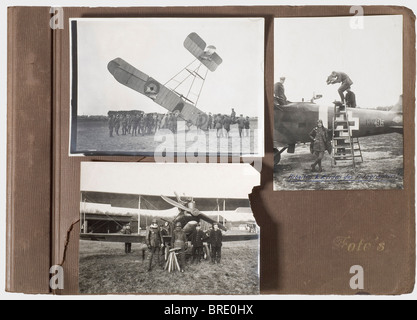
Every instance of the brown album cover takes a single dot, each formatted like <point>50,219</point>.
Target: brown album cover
<point>315,238</point>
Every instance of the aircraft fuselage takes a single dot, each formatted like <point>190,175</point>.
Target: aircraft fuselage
<point>294,122</point>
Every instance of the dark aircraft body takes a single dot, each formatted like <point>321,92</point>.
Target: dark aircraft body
<point>293,123</point>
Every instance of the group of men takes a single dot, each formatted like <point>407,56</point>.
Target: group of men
<point>145,124</point>
<point>348,99</point>
<point>157,246</point>
<point>223,122</point>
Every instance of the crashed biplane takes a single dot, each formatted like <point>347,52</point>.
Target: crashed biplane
<point>183,105</point>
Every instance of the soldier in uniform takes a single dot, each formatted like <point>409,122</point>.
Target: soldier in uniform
<point>226,125</point>
<point>128,246</point>
<point>164,121</point>
<point>135,123</point>
<point>179,241</point>
<point>155,242</point>
<point>210,121</point>
<point>124,125</point>
<point>208,232</point>
<point>117,124</point>
<point>344,79</point>
<point>279,92</point>
<point>216,241</point>
<point>319,135</point>
<point>129,123</point>
<point>233,115</point>
<point>241,124</point>
<point>247,126</point>
<point>145,124</point>
<point>197,239</point>
<point>150,124</point>
<point>165,231</point>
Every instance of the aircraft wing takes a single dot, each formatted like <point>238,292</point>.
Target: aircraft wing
<point>139,81</point>
<point>113,237</point>
<point>196,46</point>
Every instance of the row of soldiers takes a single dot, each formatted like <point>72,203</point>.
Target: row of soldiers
<point>146,124</point>
<point>134,124</point>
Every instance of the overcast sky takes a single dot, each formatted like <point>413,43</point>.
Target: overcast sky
<point>233,181</point>
<point>307,50</point>
<point>155,46</point>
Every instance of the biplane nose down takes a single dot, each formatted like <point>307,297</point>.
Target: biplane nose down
<point>170,99</point>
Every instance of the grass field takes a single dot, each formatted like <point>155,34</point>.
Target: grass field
<point>93,136</point>
<point>382,168</point>
<point>106,269</point>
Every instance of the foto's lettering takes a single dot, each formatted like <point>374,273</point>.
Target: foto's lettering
<point>351,245</point>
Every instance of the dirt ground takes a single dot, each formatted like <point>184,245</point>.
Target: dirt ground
<point>93,136</point>
<point>382,168</point>
<point>106,269</point>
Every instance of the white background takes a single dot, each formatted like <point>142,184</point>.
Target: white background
<point>159,52</point>
<point>307,50</point>
<point>3,80</point>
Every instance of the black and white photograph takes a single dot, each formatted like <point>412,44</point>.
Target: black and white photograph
<point>152,86</point>
<point>151,229</point>
<point>338,116</point>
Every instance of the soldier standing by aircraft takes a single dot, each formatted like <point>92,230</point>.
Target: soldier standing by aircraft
<point>197,240</point>
<point>233,115</point>
<point>279,92</point>
<point>124,125</point>
<point>174,122</point>
<point>128,246</point>
<point>154,241</point>
<point>216,242</point>
<point>344,79</point>
<point>165,231</point>
<point>179,241</point>
<point>141,128</point>
<point>219,125</point>
<point>319,135</point>
<point>208,232</point>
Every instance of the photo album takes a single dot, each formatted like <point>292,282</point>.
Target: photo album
<point>239,151</point>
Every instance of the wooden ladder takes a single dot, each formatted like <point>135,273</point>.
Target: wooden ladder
<point>345,147</point>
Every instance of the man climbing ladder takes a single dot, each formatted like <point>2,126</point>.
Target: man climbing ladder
<point>344,79</point>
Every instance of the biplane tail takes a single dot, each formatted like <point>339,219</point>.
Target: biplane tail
<point>398,107</point>
<point>205,54</point>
